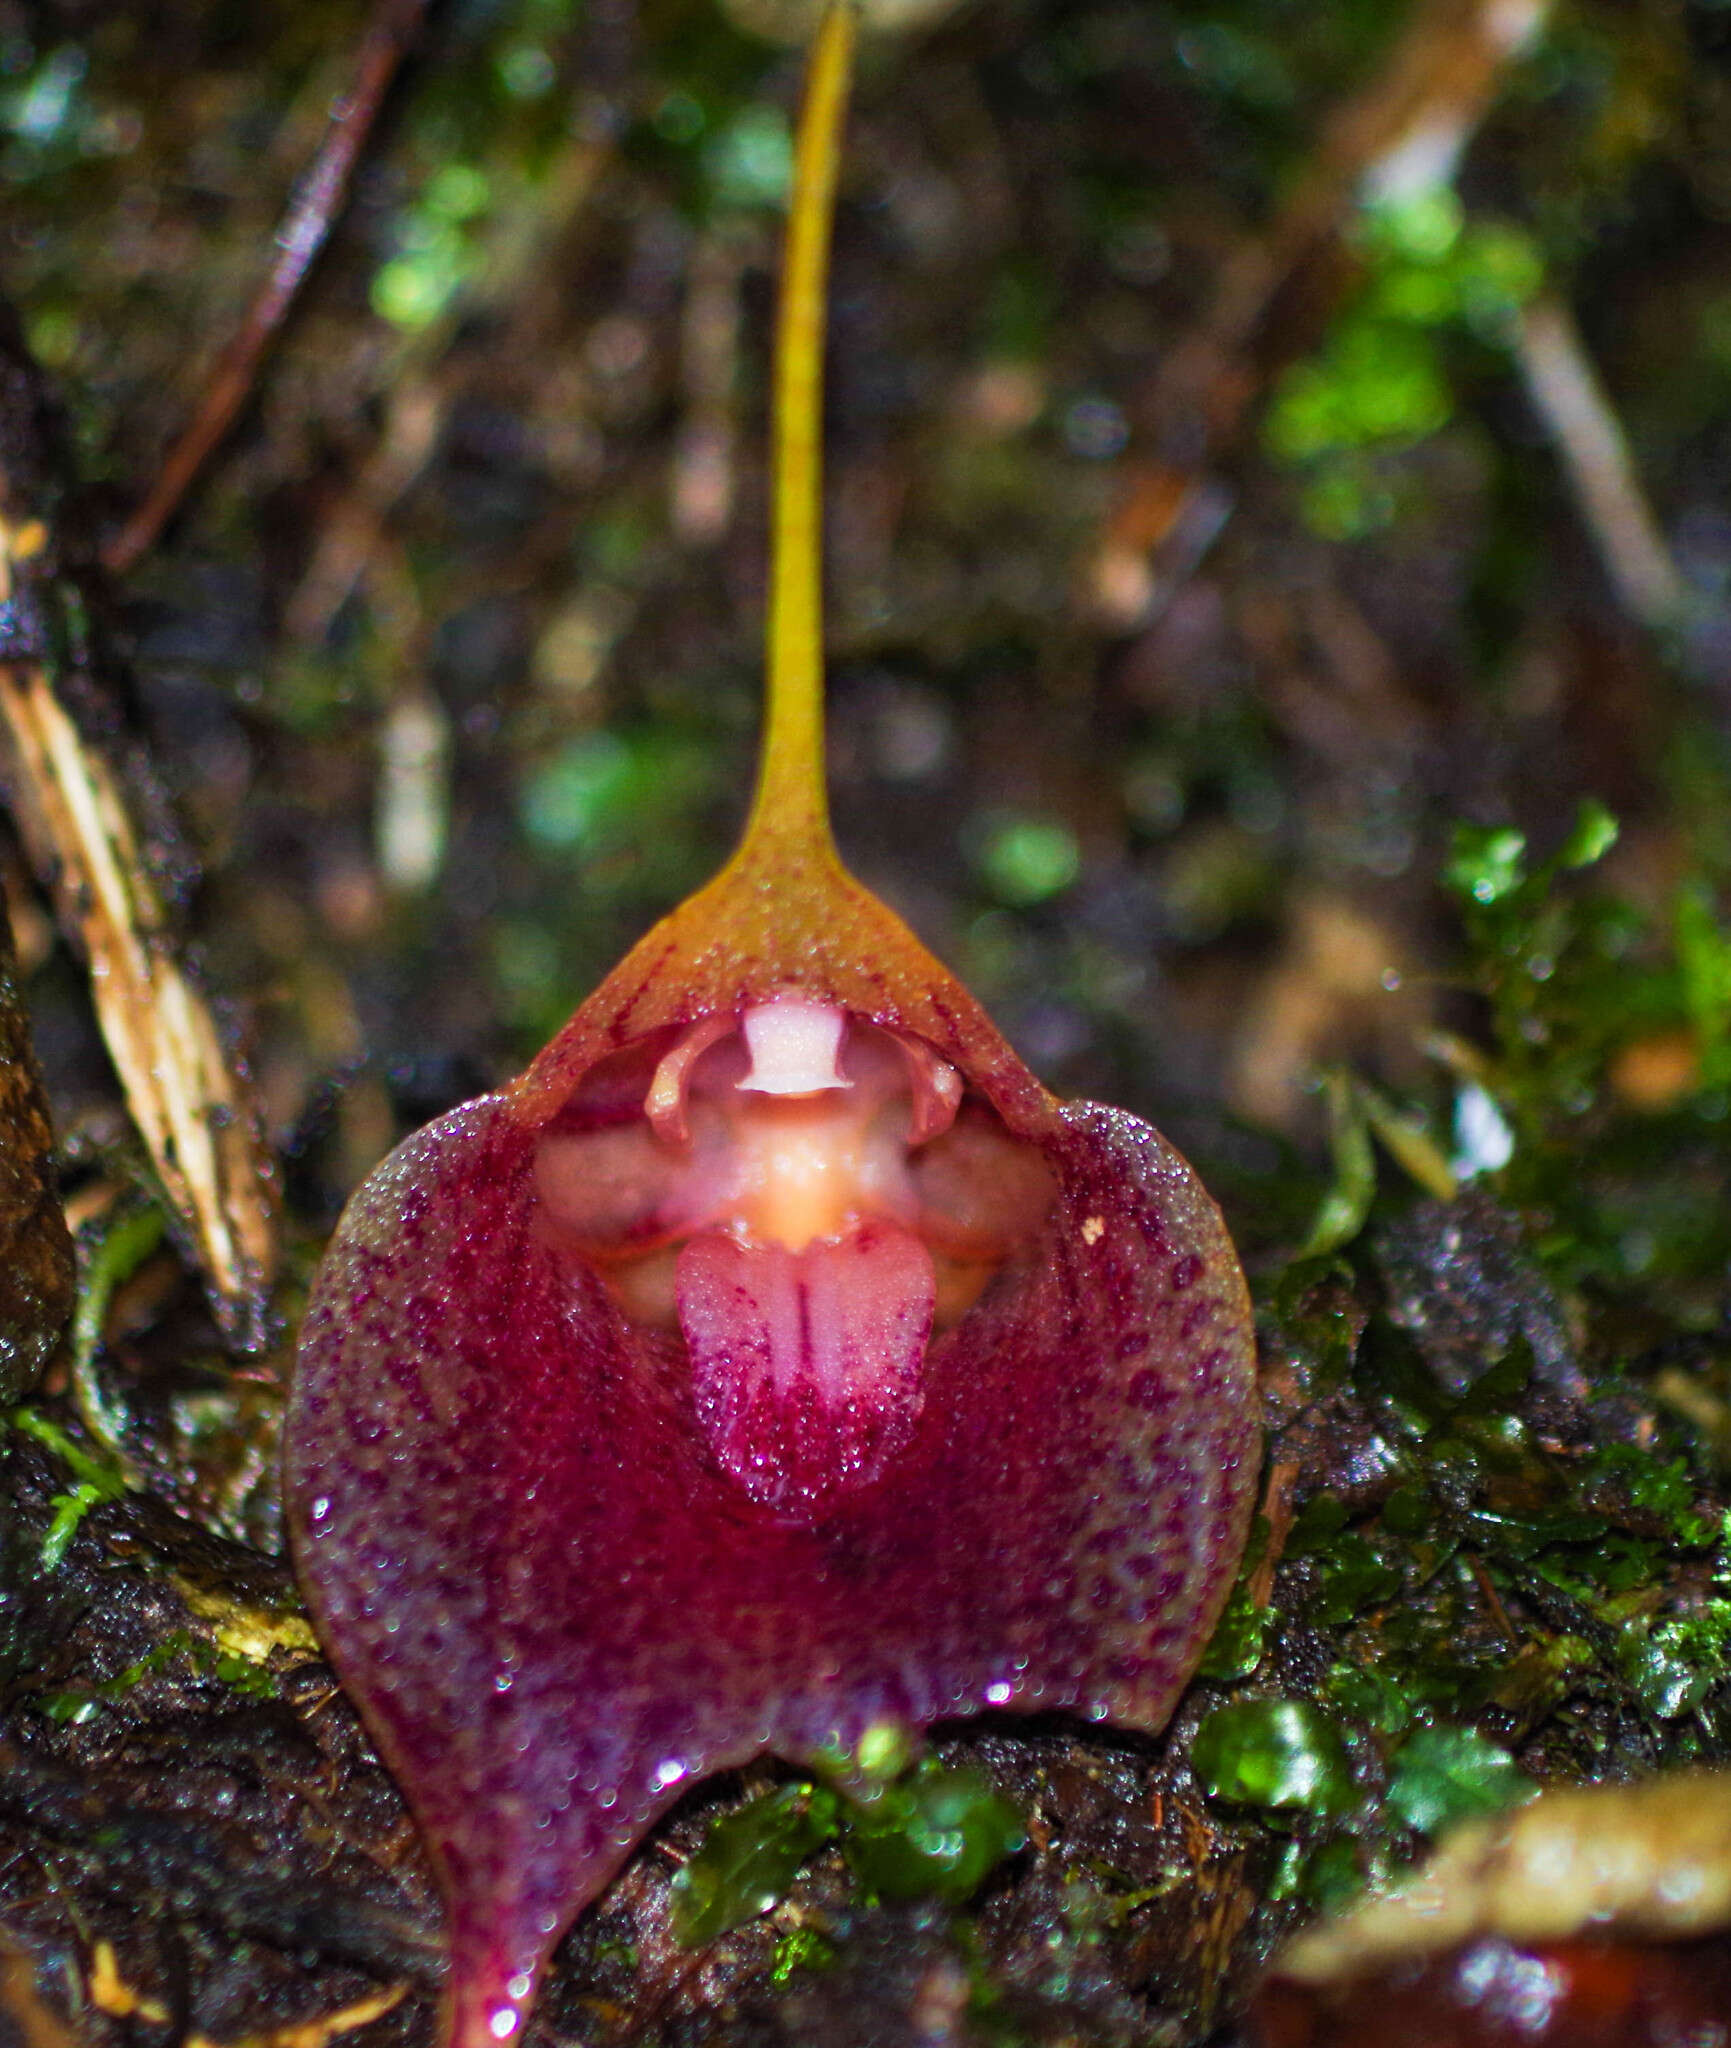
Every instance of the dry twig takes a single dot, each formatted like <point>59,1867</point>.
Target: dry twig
<point>424,386</point>
<point>110,1993</point>
<point>1404,132</point>
<point>184,1094</point>
<point>1568,397</point>
<point>312,210</point>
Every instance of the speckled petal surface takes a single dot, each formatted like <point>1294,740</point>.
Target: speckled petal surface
<point>556,1610</point>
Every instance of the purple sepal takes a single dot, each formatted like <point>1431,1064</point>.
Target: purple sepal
<point>556,1611</point>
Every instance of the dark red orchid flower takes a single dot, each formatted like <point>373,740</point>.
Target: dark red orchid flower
<point>774,1361</point>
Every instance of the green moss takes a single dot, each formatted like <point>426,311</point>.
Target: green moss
<point>1354,1578</point>
<point>908,1830</point>
<point>1541,1574</point>
<point>96,1477</point>
<point>109,1253</point>
<point>78,1704</point>
<point>1674,1664</point>
<point>805,1948</point>
<point>935,1833</point>
<point>1240,1637</point>
<point>748,1860</point>
<point>1343,1209</point>
<point>1282,1754</point>
<point>1441,1775</point>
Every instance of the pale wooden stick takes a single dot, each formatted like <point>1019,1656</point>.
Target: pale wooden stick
<point>181,1090</point>
<point>1577,412</point>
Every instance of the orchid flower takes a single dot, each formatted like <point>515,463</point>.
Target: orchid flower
<point>774,1362</point>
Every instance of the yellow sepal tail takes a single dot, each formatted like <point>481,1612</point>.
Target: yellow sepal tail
<point>790,807</point>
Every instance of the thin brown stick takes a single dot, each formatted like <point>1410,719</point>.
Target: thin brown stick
<point>312,212</point>
<point>704,458</point>
<point>1492,1598</point>
<point>1277,1512</point>
<point>1403,132</point>
<point>426,382</point>
<point>1568,396</point>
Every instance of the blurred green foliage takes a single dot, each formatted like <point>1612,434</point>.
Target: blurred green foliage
<point>1383,381</point>
<point>1441,1775</point>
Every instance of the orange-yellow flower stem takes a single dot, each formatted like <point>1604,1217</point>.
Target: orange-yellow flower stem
<point>790,807</point>
<point>784,915</point>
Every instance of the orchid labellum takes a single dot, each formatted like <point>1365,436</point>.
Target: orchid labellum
<point>773,1361</point>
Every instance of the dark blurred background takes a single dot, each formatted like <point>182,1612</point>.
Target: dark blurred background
<point>1207,528</point>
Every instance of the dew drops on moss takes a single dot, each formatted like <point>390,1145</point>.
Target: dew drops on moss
<point>1274,1753</point>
